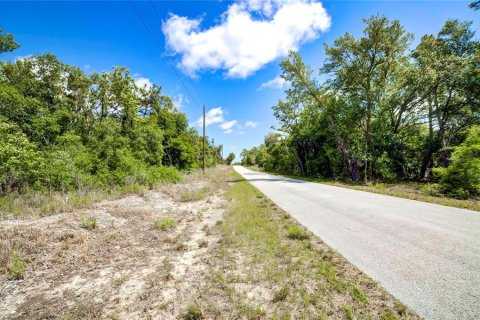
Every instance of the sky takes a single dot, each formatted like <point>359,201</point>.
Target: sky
<point>224,54</point>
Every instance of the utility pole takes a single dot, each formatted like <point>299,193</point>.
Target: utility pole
<point>203,139</point>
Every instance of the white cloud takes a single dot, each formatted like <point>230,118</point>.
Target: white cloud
<point>143,82</point>
<point>238,133</point>
<point>213,116</point>
<point>179,100</point>
<point>275,83</point>
<point>251,34</point>
<point>228,131</point>
<point>251,124</point>
<point>228,124</point>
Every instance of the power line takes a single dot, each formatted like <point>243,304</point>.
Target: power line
<point>160,48</point>
<point>177,54</point>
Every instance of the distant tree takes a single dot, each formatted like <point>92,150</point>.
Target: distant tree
<point>7,42</point>
<point>230,158</point>
<point>475,5</point>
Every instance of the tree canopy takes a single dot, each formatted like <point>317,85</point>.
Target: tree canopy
<point>386,111</point>
<point>62,129</point>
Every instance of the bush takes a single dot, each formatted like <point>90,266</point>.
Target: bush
<point>461,178</point>
<point>16,266</point>
<point>297,233</point>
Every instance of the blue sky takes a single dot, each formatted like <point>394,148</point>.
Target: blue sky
<point>230,48</point>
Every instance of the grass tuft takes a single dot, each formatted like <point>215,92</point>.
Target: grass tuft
<point>297,233</point>
<point>165,223</point>
<point>89,223</point>
<point>280,295</point>
<point>194,195</point>
<point>16,266</point>
<point>194,312</point>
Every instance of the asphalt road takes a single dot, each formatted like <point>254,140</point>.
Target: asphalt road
<point>426,255</point>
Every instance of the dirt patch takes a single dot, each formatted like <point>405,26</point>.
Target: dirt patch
<point>125,267</point>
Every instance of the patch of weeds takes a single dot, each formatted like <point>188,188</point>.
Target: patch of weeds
<point>431,189</point>
<point>359,295</point>
<point>400,308</point>
<point>165,223</point>
<point>296,233</point>
<point>194,312</point>
<point>117,282</point>
<point>88,223</point>
<point>252,311</point>
<point>349,313</point>
<point>16,266</point>
<point>280,295</point>
<point>202,243</point>
<point>194,195</point>
<point>389,315</point>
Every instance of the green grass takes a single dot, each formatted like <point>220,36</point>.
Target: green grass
<point>88,223</point>
<point>16,266</point>
<point>165,223</point>
<point>426,192</point>
<point>295,232</point>
<point>264,250</point>
<point>194,312</point>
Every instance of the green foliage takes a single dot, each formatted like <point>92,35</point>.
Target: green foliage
<point>16,266</point>
<point>7,43</point>
<point>165,223</point>
<point>462,177</point>
<point>230,158</point>
<point>88,223</point>
<point>63,130</point>
<point>297,233</point>
<point>194,312</point>
<point>385,112</point>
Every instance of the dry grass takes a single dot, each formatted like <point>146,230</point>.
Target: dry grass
<point>41,203</point>
<point>426,192</point>
<point>228,255</point>
<point>269,266</point>
<point>124,268</point>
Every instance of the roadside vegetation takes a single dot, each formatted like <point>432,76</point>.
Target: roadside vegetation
<point>69,139</point>
<point>386,114</point>
<point>267,266</point>
<point>231,254</point>
<point>413,190</point>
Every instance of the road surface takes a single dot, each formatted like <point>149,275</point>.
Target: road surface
<point>426,255</point>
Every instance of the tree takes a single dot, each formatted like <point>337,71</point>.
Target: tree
<point>450,62</point>
<point>462,177</point>
<point>230,158</point>
<point>7,42</point>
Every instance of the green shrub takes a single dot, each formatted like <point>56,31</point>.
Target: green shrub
<point>89,223</point>
<point>165,223</point>
<point>194,312</point>
<point>431,189</point>
<point>16,266</point>
<point>297,233</point>
<point>461,178</point>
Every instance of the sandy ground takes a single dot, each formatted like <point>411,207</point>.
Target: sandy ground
<point>125,268</point>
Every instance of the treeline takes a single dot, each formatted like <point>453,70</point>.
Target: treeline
<point>384,111</point>
<point>61,129</point>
